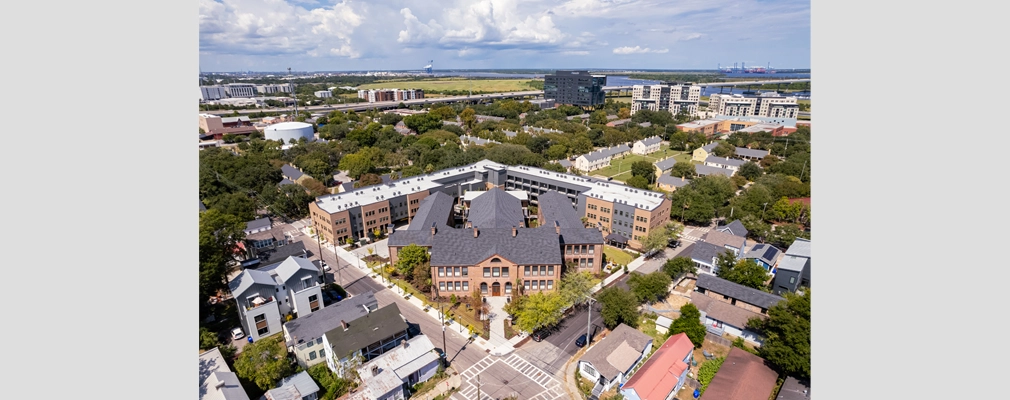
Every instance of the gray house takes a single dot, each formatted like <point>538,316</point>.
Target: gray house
<point>611,361</point>
<point>299,386</point>
<point>217,382</point>
<point>704,255</point>
<point>793,271</point>
<point>750,154</point>
<point>734,228</point>
<point>367,337</point>
<point>390,376</point>
<point>304,336</point>
<point>264,295</point>
<point>727,306</point>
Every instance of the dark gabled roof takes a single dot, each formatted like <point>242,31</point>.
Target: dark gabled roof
<point>285,181</point>
<point>745,152</point>
<point>794,389</point>
<point>615,237</point>
<point>371,328</point>
<point>293,249</point>
<point>579,235</point>
<point>666,164</point>
<point>735,228</point>
<point>529,246</point>
<point>764,252</point>
<point>720,238</point>
<point>433,209</point>
<point>202,207</point>
<point>291,172</point>
<point>703,170</point>
<point>495,209</point>
<point>650,140</point>
<point>704,252</point>
<point>672,181</point>
<point>724,312</point>
<point>738,291</point>
<point>257,224</point>
<point>419,237</point>
<point>724,161</point>
<point>328,318</point>
<point>555,206</point>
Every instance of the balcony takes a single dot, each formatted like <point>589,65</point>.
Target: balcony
<point>258,302</point>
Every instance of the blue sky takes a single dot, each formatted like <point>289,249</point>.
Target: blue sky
<point>310,35</point>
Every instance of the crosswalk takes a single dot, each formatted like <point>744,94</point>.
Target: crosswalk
<point>551,388</point>
<point>693,235</point>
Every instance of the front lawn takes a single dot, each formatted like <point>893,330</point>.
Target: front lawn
<point>616,256</point>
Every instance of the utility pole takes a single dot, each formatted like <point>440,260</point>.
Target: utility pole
<point>337,258</point>
<point>763,211</point>
<point>589,319</point>
<point>441,317</point>
<point>478,386</point>
<point>321,261</point>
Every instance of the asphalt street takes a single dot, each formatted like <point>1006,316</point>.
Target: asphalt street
<point>356,281</point>
<point>554,351</point>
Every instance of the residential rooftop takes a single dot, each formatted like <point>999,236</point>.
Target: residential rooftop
<point>607,191</point>
<point>316,324</point>
<point>360,333</point>
<point>617,352</point>
<point>737,291</point>
<point>659,375</point>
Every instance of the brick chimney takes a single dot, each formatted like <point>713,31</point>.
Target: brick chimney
<point>475,232</point>
<point>557,227</point>
<point>344,325</point>
<point>514,231</point>
<point>432,229</point>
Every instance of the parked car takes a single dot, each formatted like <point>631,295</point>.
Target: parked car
<point>237,334</point>
<point>326,266</point>
<point>581,341</point>
<point>540,335</point>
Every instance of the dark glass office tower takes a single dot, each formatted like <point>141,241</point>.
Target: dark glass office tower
<point>577,88</point>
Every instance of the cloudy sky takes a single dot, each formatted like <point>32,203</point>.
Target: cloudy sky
<point>321,35</point>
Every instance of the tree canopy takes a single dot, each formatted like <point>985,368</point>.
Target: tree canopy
<point>538,310</point>
<point>644,169</point>
<point>650,288</point>
<point>689,322</point>
<point>786,334</point>
<point>618,306</point>
<point>676,266</point>
<point>219,237</point>
<point>409,257</point>
<point>745,272</point>
<point>264,362</point>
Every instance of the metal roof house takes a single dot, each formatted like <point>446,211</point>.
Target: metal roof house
<point>612,359</point>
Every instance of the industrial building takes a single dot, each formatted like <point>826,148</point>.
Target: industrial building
<point>608,206</point>
<point>323,94</point>
<point>577,88</point>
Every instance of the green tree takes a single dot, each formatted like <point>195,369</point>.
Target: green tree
<point>582,145</point>
<point>682,169</point>
<point>208,339</point>
<point>422,123</point>
<point>264,362</point>
<point>575,287</point>
<point>676,266</point>
<point>624,113</point>
<point>390,118</point>
<point>650,288</point>
<point>786,334</point>
<point>235,203</point>
<point>539,310</point>
<point>219,237</point>
<point>644,169</point>
<point>750,170</point>
<point>724,149</point>
<point>598,117</point>
<point>785,210</point>
<point>356,165</point>
<point>409,257</point>
<point>367,180</point>
<point>557,152</point>
<point>745,272</point>
<point>618,306</point>
<point>659,237</point>
<point>332,385</point>
<point>468,117</point>
<point>689,322</point>
<point>638,182</point>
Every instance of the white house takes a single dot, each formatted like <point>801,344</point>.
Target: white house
<point>385,377</point>
<point>722,162</point>
<point>647,146</point>
<point>365,338</point>
<point>611,361</point>
<point>600,158</point>
<point>265,294</point>
<point>217,382</point>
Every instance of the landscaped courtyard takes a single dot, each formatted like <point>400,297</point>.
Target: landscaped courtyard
<point>621,167</point>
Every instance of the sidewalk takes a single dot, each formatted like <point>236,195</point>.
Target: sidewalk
<point>632,266</point>
<point>453,326</point>
<point>454,381</point>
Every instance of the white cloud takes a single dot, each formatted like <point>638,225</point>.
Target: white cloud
<point>575,53</point>
<point>638,50</point>
<point>488,23</point>
<point>269,27</point>
<point>692,36</point>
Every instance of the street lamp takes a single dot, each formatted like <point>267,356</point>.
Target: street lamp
<point>441,317</point>
<point>763,211</point>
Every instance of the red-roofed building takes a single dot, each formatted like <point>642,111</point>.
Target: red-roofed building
<point>742,376</point>
<point>663,375</point>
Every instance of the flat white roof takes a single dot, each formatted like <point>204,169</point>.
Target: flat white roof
<point>519,194</point>
<point>607,191</point>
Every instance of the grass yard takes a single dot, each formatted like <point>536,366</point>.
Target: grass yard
<point>616,255</point>
<point>664,153</point>
<point>622,166</point>
<point>478,85</point>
